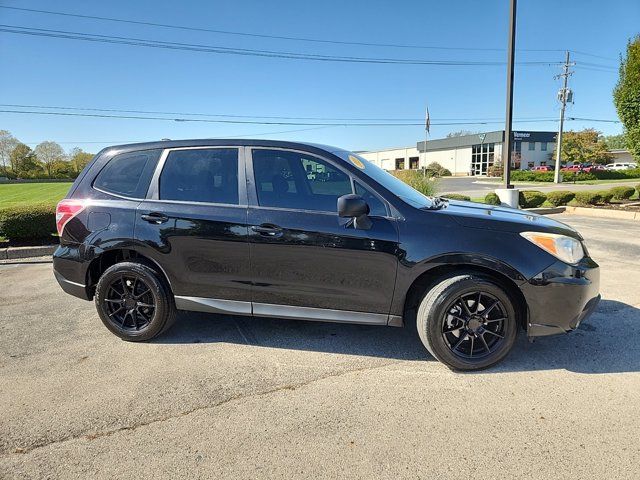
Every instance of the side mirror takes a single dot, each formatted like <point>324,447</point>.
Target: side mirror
<point>356,209</point>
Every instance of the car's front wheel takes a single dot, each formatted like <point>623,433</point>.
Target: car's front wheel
<point>468,322</point>
<point>134,302</point>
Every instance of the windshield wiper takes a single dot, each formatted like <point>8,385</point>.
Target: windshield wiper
<point>437,203</point>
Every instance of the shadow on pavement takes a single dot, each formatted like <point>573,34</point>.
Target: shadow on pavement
<point>607,342</point>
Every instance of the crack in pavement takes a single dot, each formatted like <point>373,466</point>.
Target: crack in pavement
<point>107,433</point>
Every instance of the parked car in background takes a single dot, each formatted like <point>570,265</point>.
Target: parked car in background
<point>542,168</point>
<point>593,167</point>
<point>578,167</point>
<point>238,227</point>
<point>621,166</point>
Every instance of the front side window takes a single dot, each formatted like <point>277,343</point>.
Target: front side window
<point>376,207</point>
<point>388,181</point>
<point>128,174</point>
<point>201,175</point>
<point>287,179</point>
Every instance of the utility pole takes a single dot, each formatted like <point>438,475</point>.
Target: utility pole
<point>507,145</point>
<point>563,95</point>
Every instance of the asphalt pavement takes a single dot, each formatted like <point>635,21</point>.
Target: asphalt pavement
<point>224,397</point>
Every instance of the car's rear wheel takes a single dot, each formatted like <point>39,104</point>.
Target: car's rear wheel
<point>134,302</point>
<point>468,322</point>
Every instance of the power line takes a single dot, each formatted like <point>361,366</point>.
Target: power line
<point>253,122</point>
<point>291,38</point>
<point>257,35</point>
<point>593,55</point>
<point>141,42</point>
<point>119,142</point>
<point>592,69</point>
<point>224,115</point>
<point>582,119</point>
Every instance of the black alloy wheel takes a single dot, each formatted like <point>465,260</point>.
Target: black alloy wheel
<point>468,321</point>
<point>134,301</point>
<point>129,302</point>
<point>474,325</point>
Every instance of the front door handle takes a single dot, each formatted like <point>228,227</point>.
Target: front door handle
<point>154,217</point>
<point>267,230</point>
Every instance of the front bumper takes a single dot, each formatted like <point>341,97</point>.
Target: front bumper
<point>561,296</point>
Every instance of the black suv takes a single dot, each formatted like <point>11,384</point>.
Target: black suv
<point>303,231</point>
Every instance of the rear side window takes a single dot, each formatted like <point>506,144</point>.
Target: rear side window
<point>128,174</point>
<point>201,175</point>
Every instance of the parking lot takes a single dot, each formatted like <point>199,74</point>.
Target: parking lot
<point>224,397</point>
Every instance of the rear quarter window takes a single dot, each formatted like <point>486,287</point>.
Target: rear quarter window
<point>128,174</point>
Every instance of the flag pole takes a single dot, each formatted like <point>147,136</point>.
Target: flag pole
<point>427,125</point>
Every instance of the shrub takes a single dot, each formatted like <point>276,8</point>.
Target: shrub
<point>531,198</point>
<point>495,170</point>
<point>456,196</point>
<point>638,190</point>
<point>622,192</point>
<point>28,222</point>
<point>437,170</point>
<point>588,198</point>
<point>527,176</point>
<point>492,199</point>
<point>606,196</point>
<point>560,197</point>
<point>425,184</point>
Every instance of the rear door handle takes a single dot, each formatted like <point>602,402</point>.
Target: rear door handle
<point>267,230</point>
<point>154,217</point>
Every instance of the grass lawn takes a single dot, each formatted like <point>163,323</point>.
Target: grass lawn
<point>15,194</point>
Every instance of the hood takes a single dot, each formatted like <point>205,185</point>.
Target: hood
<point>504,219</point>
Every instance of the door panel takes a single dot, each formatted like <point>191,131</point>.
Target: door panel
<point>301,255</point>
<point>315,262</point>
<point>202,245</point>
<point>203,248</point>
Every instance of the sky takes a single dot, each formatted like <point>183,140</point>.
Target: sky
<point>60,72</point>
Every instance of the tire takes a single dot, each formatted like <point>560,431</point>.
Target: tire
<point>443,322</point>
<point>139,294</point>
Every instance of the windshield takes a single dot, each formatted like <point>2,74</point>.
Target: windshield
<point>388,181</point>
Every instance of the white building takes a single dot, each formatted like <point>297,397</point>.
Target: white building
<point>622,156</point>
<point>469,154</point>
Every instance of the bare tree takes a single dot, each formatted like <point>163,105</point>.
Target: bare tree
<point>49,153</point>
<point>7,143</point>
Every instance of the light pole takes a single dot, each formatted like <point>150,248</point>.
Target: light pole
<point>508,194</point>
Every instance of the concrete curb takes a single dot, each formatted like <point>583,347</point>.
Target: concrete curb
<point>546,210</point>
<point>10,253</point>
<point>603,213</point>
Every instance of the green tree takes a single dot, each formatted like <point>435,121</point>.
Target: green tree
<point>49,153</point>
<point>616,142</point>
<point>24,162</point>
<point>7,143</point>
<point>585,146</point>
<point>79,159</point>
<point>626,96</point>
<point>63,169</point>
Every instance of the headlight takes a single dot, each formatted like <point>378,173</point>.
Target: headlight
<point>565,248</point>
